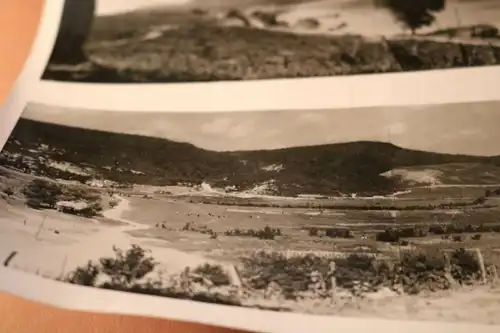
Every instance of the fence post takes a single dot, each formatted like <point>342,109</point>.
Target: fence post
<point>494,275</point>
<point>9,258</point>
<point>40,228</point>
<point>447,270</point>
<point>480,260</point>
<point>333,281</point>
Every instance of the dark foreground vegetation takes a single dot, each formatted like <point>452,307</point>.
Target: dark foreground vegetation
<point>127,270</point>
<point>413,273</point>
<point>324,169</point>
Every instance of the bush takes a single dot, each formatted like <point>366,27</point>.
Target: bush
<point>266,233</point>
<point>437,229</point>
<point>40,193</point>
<point>292,274</point>
<point>338,233</point>
<point>416,271</point>
<point>422,271</point>
<point>127,269</point>
<point>85,275</point>
<point>214,273</point>
<point>313,232</point>
<point>464,266</point>
<point>9,191</point>
<point>388,236</point>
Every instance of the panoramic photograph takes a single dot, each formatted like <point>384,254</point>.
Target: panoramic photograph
<point>175,41</point>
<point>388,212</point>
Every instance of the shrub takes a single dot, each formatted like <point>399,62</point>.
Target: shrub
<point>266,233</point>
<point>388,236</point>
<point>422,270</point>
<point>214,273</point>
<point>464,266</point>
<point>313,232</point>
<point>41,193</point>
<point>127,269</point>
<point>85,275</point>
<point>9,191</point>
<point>338,233</point>
<point>437,229</point>
<point>292,274</point>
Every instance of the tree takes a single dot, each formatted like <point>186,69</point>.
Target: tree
<point>42,191</point>
<point>128,267</point>
<point>414,14</point>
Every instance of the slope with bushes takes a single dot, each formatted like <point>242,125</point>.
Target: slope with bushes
<point>322,169</point>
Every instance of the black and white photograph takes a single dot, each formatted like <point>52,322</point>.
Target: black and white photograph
<point>176,41</point>
<point>389,212</point>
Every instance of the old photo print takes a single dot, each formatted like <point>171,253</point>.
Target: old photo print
<point>175,41</point>
<point>389,212</point>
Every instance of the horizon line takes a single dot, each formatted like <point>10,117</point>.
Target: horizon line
<point>254,150</point>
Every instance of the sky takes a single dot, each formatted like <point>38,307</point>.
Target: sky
<point>451,128</point>
<point>360,15</point>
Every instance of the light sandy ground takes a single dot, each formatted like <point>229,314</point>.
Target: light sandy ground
<point>78,241</point>
<point>480,305</point>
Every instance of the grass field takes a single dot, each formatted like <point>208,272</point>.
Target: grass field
<point>293,222</point>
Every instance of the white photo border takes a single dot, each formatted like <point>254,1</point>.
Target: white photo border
<point>90,299</point>
<point>401,89</point>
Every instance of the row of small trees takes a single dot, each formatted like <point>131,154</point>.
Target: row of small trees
<point>391,235</point>
<point>265,233</point>
<point>330,232</point>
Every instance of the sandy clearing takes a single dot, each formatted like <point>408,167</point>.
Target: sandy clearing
<point>52,254</point>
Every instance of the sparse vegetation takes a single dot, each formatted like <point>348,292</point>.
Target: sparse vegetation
<point>42,193</point>
<point>127,270</point>
<point>265,233</point>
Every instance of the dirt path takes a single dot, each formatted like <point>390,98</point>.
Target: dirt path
<point>52,254</point>
<point>169,258</point>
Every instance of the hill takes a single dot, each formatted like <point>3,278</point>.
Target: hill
<point>448,174</point>
<point>323,169</point>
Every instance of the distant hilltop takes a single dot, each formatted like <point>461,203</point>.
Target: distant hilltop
<point>364,167</point>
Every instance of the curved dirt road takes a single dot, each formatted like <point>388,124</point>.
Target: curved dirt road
<point>52,254</point>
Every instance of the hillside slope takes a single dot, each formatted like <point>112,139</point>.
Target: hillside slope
<point>447,174</point>
<point>322,169</point>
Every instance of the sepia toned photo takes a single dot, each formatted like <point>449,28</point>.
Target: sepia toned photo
<point>175,41</point>
<point>389,212</point>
